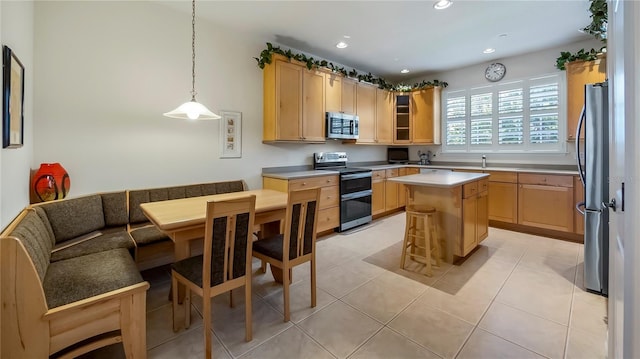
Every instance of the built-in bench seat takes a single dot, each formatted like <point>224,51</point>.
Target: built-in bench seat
<point>72,305</point>
<point>153,247</point>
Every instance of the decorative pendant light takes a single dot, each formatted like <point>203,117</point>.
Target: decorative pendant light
<point>193,110</point>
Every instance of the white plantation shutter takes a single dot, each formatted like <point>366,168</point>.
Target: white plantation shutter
<point>543,109</point>
<point>510,117</point>
<point>519,116</point>
<point>456,114</point>
<point>481,118</point>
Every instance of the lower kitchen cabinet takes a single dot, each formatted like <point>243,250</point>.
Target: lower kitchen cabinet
<point>329,213</point>
<point>391,191</point>
<point>378,189</point>
<point>402,190</point>
<point>503,196</point>
<point>545,201</point>
<point>475,215</point>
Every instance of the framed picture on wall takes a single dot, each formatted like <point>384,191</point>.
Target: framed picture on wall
<point>12,100</point>
<point>230,134</point>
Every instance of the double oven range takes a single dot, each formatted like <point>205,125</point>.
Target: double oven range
<point>355,188</point>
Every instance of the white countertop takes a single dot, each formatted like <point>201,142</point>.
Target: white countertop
<point>300,174</point>
<point>445,179</point>
<point>475,168</point>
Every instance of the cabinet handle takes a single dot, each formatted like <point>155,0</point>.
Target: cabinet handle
<point>304,183</point>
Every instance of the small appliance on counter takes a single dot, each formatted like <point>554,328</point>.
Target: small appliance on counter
<point>355,188</point>
<point>399,155</point>
<point>342,126</point>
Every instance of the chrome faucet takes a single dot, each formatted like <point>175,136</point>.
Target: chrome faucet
<point>484,161</point>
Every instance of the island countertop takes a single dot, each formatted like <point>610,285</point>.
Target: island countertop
<point>444,179</point>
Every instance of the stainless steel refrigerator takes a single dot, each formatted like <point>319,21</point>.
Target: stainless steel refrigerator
<point>594,173</point>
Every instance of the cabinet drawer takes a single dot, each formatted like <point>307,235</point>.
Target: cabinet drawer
<point>469,189</point>
<point>483,185</point>
<point>328,218</point>
<point>499,176</point>
<point>313,182</point>
<point>392,173</point>
<point>329,197</point>
<point>380,174</point>
<point>546,180</point>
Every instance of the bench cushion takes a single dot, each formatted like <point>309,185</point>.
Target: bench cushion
<point>83,277</point>
<point>103,240</point>
<point>114,206</point>
<point>147,235</point>
<point>36,235</point>
<point>71,218</point>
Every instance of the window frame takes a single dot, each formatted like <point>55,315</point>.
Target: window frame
<point>526,147</point>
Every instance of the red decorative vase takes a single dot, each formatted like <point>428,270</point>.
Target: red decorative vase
<point>50,182</point>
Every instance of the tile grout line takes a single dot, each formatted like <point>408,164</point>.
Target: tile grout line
<point>573,299</point>
<point>477,325</point>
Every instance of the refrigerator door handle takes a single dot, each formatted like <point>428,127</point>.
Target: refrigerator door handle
<point>581,121</point>
<point>611,204</point>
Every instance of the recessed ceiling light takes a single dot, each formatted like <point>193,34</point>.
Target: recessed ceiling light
<point>503,35</point>
<point>489,50</point>
<point>341,45</point>
<point>347,36</point>
<point>442,4</point>
<point>404,71</point>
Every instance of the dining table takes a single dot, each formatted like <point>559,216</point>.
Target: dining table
<point>183,220</point>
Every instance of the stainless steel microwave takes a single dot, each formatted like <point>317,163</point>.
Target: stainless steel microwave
<point>342,126</point>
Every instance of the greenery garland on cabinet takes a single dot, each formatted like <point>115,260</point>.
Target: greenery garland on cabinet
<point>265,58</point>
<point>597,28</point>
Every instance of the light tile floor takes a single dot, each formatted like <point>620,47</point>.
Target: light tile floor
<point>516,296</point>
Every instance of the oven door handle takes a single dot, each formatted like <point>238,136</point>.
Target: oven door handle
<point>350,196</point>
<point>355,176</point>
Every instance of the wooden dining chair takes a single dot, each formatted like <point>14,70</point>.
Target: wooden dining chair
<point>298,243</point>
<point>224,266</point>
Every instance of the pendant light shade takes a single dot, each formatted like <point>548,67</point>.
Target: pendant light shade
<point>192,110</point>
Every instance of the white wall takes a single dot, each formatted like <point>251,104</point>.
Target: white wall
<point>518,67</point>
<point>108,70</point>
<point>17,33</point>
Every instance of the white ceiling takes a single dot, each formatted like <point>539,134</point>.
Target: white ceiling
<point>387,36</point>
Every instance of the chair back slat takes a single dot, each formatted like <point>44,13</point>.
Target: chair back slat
<point>227,245</point>
<point>301,218</point>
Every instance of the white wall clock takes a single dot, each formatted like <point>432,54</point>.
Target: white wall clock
<point>495,72</point>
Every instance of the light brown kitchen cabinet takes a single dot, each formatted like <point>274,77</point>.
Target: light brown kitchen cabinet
<point>580,73</point>
<point>503,196</point>
<point>544,201</point>
<point>329,209</point>
<point>293,103</point>
<point>578,194</point>
<point>425,116</point>
<point>475,220</point>
<point>333,92</point>
<point>384,117</point>
<point>378,192</point>
<point>391,191</point>
<point>402,189</point>
<point>366,111</point>
<point>348,96</point>
<point>402,118</point>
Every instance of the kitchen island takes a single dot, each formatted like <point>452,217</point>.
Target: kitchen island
<point>462,204</point>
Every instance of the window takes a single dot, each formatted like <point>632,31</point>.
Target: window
<point>526,115</point>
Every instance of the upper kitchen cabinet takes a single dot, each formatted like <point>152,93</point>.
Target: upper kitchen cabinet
<point>425,115</point>
<point>366,111</point>
<point>402,119</point>
<point>294,102</point>
<point>580,73</point>
<point>384,116</point>
<point>348,96</point>
<point>333,92</point>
